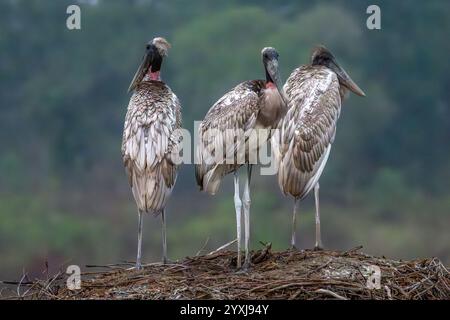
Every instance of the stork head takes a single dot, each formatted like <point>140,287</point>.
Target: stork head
<point>155,51</point>
<point>270,61</point>
<point>323,57</point>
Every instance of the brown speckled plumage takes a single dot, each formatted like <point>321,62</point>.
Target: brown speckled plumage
<point>245,107</point>
<point>307,131</point>
<point>149,141</point>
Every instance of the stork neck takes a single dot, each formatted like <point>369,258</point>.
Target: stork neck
<point>154,75</point>
<point>155,68</point>
<point>270,85</point>
<point>268,78</point>
<point>269,81</point>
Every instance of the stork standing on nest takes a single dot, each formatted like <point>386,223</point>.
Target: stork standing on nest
<point>150,138</point>
<point>314,93</point>
<point>254,104</point>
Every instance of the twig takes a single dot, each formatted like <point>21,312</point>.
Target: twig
<point>319,268</point>
<point>202,248</point>
<point>111,266</point>
<point>331,293</point>
<point>345,253</point>
<point>222,247</point>
<point>260,256</point>
<point>20,282</point>
<point>47,287</point>
<point>28,283</point>
<point>388,292</point>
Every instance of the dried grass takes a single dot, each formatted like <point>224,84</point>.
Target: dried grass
<point>274,275</point>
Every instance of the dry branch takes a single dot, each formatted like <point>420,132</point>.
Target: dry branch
<point>283,275</point>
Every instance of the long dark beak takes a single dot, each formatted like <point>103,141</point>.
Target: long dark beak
<point>346,81</point>
<point>142,70</point>
<point>274,73</point>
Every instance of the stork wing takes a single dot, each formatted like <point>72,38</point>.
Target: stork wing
<point>308,129</point>
<point>149,138</point>
<point>233,114</point>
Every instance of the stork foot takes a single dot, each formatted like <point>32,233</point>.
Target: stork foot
<point>318,247</point>
<point>246,266</point>
<point>244,269</point>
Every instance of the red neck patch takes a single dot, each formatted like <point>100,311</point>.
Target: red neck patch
<point>154,75</point>
<point>270,85</point>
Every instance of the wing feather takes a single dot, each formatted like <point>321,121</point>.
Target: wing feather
<point>238,109</point>
<point>308,129</point>
<point>149,139</point>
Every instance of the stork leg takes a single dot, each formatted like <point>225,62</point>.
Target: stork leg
<point>238,208</point>
<point>318,245</point>
<point>163,234</point>
<point>294,224</point>
<point>247,202</point>
<point>139,252</point>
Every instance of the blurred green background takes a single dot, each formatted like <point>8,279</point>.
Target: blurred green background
<point>64,195</point>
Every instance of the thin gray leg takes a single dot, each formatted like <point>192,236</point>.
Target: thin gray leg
<point>238,208</point>
<point>163,233</point>
<point>247,203</point>
<point>294,223</point>
<point>318,245</point>
<point>139,248</point>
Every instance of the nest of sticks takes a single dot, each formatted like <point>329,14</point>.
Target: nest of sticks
<point>291,274</point>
